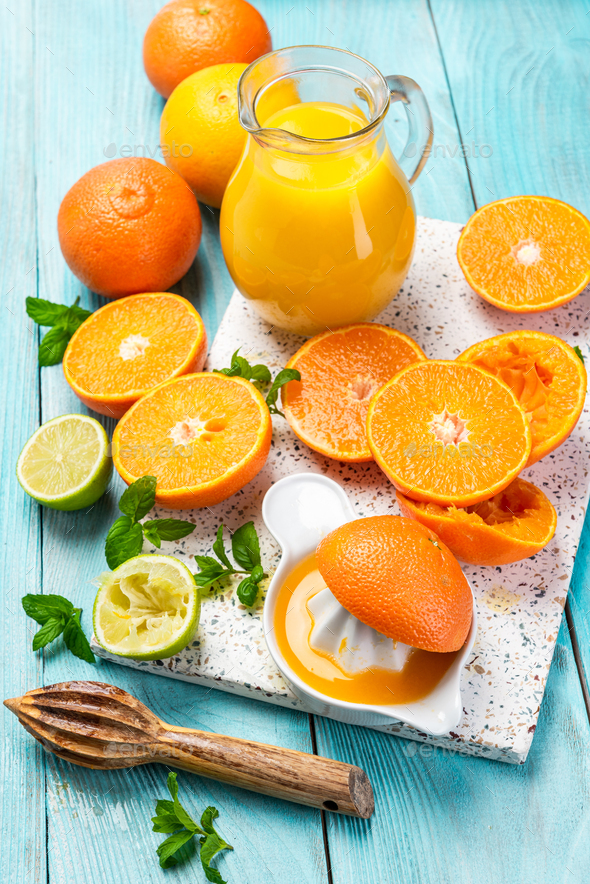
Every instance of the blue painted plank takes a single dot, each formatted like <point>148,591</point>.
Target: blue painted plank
<point>22,814</point>
<point>441,818</point>
<point>529,102</point>
<point>98,823</point>
<point>520,79</point>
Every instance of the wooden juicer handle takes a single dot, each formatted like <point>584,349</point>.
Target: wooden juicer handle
<point>103,727</point>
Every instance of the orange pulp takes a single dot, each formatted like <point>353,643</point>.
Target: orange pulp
<point>293,623</point>
<point>318,240</point>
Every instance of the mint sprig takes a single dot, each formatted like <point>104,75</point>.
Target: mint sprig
<point>172,817</point>
<point>63,321</point>
<point>579,353</point>
<point>245,548</point>
<point>126,534</point>
<point>240,367</point>
<point>57,616</point>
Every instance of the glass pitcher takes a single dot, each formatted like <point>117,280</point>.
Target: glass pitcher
<point>318,220</point>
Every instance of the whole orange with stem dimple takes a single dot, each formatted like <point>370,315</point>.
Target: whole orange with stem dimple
<point>340,371</point>
<point>200,132</point>
<point>512,525</point>
<point>526,253</point>
<point>130,346</point>
<point>203,436</point>
<point>398,577</point>
<point>129,226</point>
<point>188,35</point>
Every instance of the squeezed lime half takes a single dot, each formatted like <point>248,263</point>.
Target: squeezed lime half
<point>65,464</point>
<point>146,609</point>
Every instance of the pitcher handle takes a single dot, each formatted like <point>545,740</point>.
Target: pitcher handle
<point>420,124</point>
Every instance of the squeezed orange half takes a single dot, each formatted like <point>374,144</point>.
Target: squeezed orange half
<point>293,623</point>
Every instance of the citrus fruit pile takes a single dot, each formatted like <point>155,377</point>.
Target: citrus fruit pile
<point>131,225</point>
<point>452,436</point>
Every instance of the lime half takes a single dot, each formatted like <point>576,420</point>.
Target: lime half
<point>147,609</point>
<point>65,464</point>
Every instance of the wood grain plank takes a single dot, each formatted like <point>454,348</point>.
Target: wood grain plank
<point>23,779</point>
<point>441,818</point>
<point>99,822</point>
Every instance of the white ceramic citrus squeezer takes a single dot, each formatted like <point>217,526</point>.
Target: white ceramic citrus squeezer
<point>299,511</point>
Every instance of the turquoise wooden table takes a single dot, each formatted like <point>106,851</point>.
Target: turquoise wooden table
<point>512,75</point>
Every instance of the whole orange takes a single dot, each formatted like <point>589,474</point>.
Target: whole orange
<point>200,132</point>
<point>187,35</point>
<point>129,226</point>
<point>398,577</point>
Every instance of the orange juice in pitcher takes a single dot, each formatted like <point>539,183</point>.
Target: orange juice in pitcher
<point>318,220</point>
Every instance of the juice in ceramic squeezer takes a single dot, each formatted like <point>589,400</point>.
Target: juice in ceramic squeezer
<point>293,622</point>
<point>318,239</point>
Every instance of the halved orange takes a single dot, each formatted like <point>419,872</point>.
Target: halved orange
<point>340,371</point>
<point>131,346</point>
<point>514,524</point>
<point>526,253</point>
<point>448,432</point>
<point>547,376</point>
<point>203,436</point>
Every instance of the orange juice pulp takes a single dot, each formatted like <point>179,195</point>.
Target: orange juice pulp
<point>318,240</point>
<point>293,623</point>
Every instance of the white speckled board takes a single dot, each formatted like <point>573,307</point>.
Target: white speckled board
<point>520,606</point>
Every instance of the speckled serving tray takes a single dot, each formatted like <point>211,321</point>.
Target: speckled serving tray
<point>520,606</point>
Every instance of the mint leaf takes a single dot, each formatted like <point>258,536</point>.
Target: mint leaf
<point>209,575</point>
<point>53,346</point>
<point>240,367</point>
<point>283,377</point>
<point>42,608</point>
<point>74,317</point>
<point>261,374</point>
<point>207,817</point>
<point>139,498</point>
<point>172,816</point>
<point>53,627</point>
<point>245,546</point>
<point>57,616</point>
<point>579,353</point>
<point>170,846</point>
<point>210,845</point>
<point>207,562</point>
<point>124,540</point>
<point>257,574</point>
<point>64,321</point>
<point>219,549</point>
<point>165,823</point>
<point>168,529</point>
<point>45,312</point>
<point>75,640</point>
<point>247,591</point>
<point>181,815</point>
<point>150,532</point>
